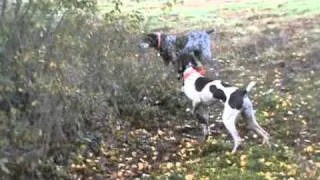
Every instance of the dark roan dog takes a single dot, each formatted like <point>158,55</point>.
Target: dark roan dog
<point>171,46</point>
<point>203,91</point>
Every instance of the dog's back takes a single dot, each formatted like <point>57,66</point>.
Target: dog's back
<point>203,89</point>
<point>198,40</point>
<point>206,90</point>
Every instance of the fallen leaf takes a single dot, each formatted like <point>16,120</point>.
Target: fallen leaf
<point>189,177</point>
<point>169,165</point>
<point>140,166</point>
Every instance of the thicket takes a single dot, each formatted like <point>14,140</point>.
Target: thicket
<point>69,80</point>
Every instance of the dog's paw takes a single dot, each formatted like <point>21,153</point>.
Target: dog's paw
<point>266,142</point>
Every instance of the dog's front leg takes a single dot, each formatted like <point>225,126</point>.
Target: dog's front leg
<point>195,106</point>
<point>202,115</point>
<point>205,114</point>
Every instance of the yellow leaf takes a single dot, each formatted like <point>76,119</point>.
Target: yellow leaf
<point>242,157</point>
<point>189,177</point>
<point>160,132</point>
<point>34,103</point>
<point>304,122</point>
<point>309,149</point>
<point>120,165</point>
<point>243,160</point>
<point>243,163</point>
<point>134,154</point>
<point>120,174</point>
<point>193,161</point>
<point>265,113</point>
<point>188,144</point>
<point>292,172</point>
<point>169,165</point>
<point>129,158</point>
<point>284,104</point>
<point>146,164</point>
<point>261,160</point>
<point>204,178</point>
<point>228,161</point>
<point>140,166</point>
<point>88,160</point>
<point>133,166</point>
<point>52,64</point>
<point>268,176</point>
<point>153,148</point>
<point>268,163</point>
<point>183,150</point>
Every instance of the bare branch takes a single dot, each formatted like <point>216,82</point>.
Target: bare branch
<point>3,8</point>
<point>17,8</point>
<point>30,3</point>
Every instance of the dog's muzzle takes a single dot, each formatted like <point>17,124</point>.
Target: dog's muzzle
<point>143,45</point>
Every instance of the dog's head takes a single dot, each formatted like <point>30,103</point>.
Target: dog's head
<point>151,40</point>
<point>155,40</point>
<point>183,61</point>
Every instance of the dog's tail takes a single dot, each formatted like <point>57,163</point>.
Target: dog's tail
<point>210,31</point>
<point>250,86</point>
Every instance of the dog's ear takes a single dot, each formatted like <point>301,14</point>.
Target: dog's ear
<point>151,35</point>
<point>153,39</point>
<point>150,38</point>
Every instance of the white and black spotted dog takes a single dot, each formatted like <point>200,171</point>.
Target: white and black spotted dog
<point>204,91</point>
<point>170,46</point>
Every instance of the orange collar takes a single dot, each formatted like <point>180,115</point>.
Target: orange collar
<point>202,71</point>
<point>188,74</point>
<point>159,40</point>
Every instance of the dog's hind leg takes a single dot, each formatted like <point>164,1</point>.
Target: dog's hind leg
<point>229,120</point>
<point>248,114</point>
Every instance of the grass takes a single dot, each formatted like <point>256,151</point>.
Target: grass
<point>214,12</point>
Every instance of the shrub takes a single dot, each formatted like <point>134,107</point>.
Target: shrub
<point>69,81</point>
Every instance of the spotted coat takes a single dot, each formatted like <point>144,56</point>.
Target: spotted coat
<point>171,46</point>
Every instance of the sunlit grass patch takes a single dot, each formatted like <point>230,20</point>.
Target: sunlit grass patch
<point>253,163</point>
<point>203,14</point>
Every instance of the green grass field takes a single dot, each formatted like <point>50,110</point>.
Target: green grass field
<point>207,13</point>
<point>273,42</point>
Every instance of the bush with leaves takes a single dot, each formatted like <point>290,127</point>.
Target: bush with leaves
<point>70,80</point>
